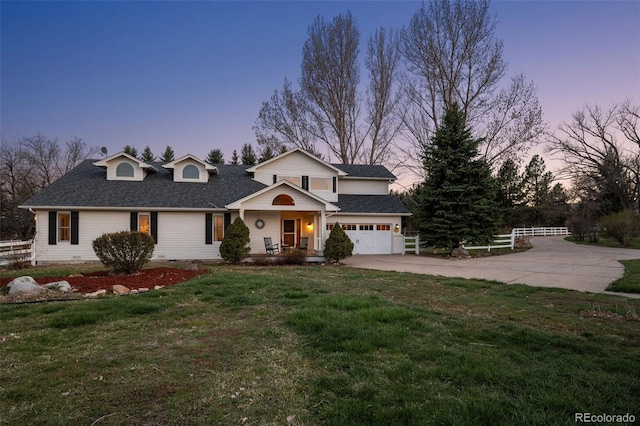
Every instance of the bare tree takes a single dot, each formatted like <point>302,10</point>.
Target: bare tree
<point>329,81</point>
<point>383,102</point>
<point>27,165</point>
<point>452,56</point>
<point>326,112</point>
<point>601,152</point>
<point>284,119</point>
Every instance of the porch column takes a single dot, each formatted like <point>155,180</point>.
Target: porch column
<point>322,230</point>
<point>241,214</point>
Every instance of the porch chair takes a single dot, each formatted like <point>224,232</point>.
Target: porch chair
<point>304,243</point>
<point>269,247</point>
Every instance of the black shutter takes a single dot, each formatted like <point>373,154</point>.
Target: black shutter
<point>227,220</point>
<point>305,183</point>
<point>275,178</point>
<point>335,184</point>
<point>53,227</point>
<point>154,226</point>
<point>134,221</point>
<point>208,228</point>
<point>74,227</point>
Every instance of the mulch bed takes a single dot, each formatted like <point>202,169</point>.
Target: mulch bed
<point>147,278</point>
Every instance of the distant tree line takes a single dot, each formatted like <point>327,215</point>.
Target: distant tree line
<point>27,165</point>
<point>247,157</point>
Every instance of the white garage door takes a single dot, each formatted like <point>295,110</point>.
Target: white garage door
<point>369,238</point>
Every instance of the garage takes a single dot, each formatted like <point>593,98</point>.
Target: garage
<point>370,238</point>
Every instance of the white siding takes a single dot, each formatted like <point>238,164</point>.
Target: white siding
<point>265,201</point>
<point>181,235</point>
<point>271,229</point>
<point>364,187</point>
<point>179,167</point>
<point>297,164</point>
<point>138,172</point>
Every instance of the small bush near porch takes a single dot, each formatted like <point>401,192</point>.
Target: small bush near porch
<point>317,345</point>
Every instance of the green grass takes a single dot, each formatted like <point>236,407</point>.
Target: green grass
<point>321,346</point>
<point>630,282</point>
<point>605,241</point>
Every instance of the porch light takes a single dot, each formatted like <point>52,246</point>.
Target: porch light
<point>396,228</point>
<point>310,225</point>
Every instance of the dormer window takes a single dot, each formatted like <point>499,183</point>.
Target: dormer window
<point>124,170</point>
<point>190,172</point>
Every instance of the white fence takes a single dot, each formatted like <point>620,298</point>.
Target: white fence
<point>412,244</point>
<point>16,251</point>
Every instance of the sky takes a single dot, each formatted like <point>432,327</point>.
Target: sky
<point>193,75</point>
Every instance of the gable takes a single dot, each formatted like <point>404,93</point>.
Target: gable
<point>122,166</point>
<point>190,169</point>
<point>282,196</point>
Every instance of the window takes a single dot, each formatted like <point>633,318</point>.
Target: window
<point>124,170</point>
<point>366,227</point>
<point>349,227</point>
<point>321,184</point>
<point>64,227</point>
<point>380,227</point>
<point>283,200</point>
<point>190,172</point>
<point>293,179</point>
<point>218,228</point>
<point>144,223</point>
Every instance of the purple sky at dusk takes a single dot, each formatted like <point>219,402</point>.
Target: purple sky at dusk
<point>193,75</point>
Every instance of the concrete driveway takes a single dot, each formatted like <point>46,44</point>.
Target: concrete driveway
<point>552,262</point>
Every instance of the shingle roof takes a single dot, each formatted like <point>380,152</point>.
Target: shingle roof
<point>350,203</point>
<point>376,171</point>
<point>87,186</point>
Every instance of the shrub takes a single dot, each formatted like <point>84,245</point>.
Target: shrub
<point>338,245</point>
<point>584,229</point>
<point>235,244</point>
<point>125,252</point>
<point>623,226</point>
<point>294,257</point>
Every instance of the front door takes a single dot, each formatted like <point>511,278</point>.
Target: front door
<point>290,232</point>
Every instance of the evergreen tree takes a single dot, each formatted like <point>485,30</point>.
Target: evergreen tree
<point>537,186</point>
<point>215,157</point>
<point>147,155</point>
<point>266,154</point>
<point>167,156</point>
<point>235,244</point>
<point>234,158</point>
<point>457,200</point>
<point>510,194</point>
<point>130,150</point>
<point>338,246</point>
<point>248,155</point>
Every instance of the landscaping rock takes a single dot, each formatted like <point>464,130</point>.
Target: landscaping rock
<point>120,289</point>
<point>23,279</point>
<point>460,252</point>
<point>24,287</point>
<point>97,293</point>
<point>62,286</point>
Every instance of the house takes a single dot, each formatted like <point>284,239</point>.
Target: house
<point>187,204</point>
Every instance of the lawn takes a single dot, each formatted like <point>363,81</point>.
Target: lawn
<point>321,345</point>
<point>630,282</point>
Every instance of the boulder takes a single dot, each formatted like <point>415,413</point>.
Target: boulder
<point>23,279</point>
<point>120,289</point>
<point>62,286</point>
<point>460,252</point>
<point>24,288</point>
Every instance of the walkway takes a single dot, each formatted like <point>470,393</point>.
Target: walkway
<point>552,262</point>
